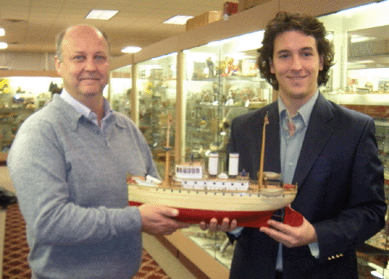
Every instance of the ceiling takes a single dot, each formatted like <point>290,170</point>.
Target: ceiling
<point>31,25</point>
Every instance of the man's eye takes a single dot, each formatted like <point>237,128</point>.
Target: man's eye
<point>307,54</point>
<point>78,58</point>
<point>100,58</point>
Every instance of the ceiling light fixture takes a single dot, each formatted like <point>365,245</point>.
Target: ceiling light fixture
<point>3,45</point>
<point>131,49</point>
<point>178,19</point>
<point>101,14</point>
<point>2,32</point>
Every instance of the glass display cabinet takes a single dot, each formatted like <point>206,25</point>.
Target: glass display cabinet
<point>216,244</point>
<point>20,96</point>
<point>359,80</point>
<point>221,82</point>
<point>120,89</point>
<point>156,85</point>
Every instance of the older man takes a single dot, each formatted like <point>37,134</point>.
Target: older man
<point>69,163</point>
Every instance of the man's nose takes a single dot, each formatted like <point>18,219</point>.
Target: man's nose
<point>90,65</point>
<point>296,64</point>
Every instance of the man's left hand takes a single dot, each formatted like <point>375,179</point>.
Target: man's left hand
<point>291,236</point>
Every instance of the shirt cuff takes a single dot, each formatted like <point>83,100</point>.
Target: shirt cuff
<point>314,247</point>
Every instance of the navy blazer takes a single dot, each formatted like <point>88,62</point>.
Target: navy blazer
<point>340,180</point>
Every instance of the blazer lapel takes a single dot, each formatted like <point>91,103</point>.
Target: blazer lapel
<point>272,148</point>
<point>320,129</point>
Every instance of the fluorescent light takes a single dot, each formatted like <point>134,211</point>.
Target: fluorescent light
<point>178,19</point>
<point>3,45</point>
<point>2,32</point>
<point>101,14</point>
<point>131,49</point>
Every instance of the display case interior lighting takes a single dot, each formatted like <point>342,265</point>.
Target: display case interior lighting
<point>330,36</point>
<point>242,42</point>
<point>377,275</point>
<point>101,14</point>
<point>237,55</point>
<point>3,45</point>
<point>131,49</point>
<point>365,9</point>
<point>178,19</point>
<point>363,61</point>
<point>2,32</point>
<point>378,272</point>
<point>164,56</point>
<point>359,38</point>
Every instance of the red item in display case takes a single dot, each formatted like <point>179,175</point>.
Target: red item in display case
<point>230,8</point>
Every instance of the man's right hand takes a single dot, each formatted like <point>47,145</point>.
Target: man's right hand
<point>159,220</point>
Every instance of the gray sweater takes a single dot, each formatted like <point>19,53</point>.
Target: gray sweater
<point>70,179</point>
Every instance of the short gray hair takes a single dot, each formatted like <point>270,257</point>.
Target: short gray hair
<point>61,35</point>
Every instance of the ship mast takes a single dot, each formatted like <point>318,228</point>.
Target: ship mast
<point>166,179</point>
<point>262,159</point>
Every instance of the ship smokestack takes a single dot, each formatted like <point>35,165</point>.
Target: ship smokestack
<point>233,164</point>
<point>213,164</point>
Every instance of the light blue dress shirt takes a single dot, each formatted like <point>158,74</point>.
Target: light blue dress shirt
<point>291,148</point>
<point>87,112</point>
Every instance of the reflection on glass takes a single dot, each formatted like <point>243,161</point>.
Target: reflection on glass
<point>156,84</point>
<point>216,244</point>
<point>221,82</point>
<point>120,90</point>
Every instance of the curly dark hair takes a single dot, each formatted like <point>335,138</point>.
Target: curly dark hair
<point>307,24</point>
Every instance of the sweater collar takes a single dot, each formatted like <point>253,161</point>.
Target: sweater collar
<point>73,116</point>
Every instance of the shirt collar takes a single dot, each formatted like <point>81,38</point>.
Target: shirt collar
<point>83,109</point>
<point>305,111</point>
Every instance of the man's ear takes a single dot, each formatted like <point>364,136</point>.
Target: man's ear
<point>58,65</point>
<point>271,65</point>
<point>321,66</point>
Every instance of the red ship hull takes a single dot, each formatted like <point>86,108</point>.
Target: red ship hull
<point>254,219</point>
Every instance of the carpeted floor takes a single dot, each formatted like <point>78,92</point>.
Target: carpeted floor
<point>15,264</point>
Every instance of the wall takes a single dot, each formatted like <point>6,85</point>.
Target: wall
<point>27,61</point>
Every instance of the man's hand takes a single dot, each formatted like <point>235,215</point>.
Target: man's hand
<point>291,236</point>
<point>225,226</point>
<point>159,220</point>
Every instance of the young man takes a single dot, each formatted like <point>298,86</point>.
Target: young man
<point>328,150</point>
<point>69,163</point>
